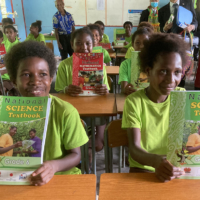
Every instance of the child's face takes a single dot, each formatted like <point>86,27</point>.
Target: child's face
<point>82,43</point>
<point>33,77</point>
<point>128,29</point>
<point>166,73</point>
<point>11,34</point>
<point>96,37</point>
<point>102,28</point>
<point>1,40</point>
<point>33,30</point>
<point>138,43</point>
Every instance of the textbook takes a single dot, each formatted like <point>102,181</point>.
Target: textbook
<point>119,36</point>
<point>184,133</point>
<point>87,71</point>
<point>97,49</point>
<point>138,80</point>
<point>105,45</point>
<point>23,125</point>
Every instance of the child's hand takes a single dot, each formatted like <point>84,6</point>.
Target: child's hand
<point>165,171</point>
<point>73,90</point>
<point>43,174</point>
<point>129,89</point>
<point>125,43</point>
<point>101,89</point>
<point>113,44</point>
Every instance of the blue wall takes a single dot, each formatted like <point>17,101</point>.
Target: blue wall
<point>38,10</point>
<point>19,21</point>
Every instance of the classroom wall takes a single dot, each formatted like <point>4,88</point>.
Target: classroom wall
<point>19,21</point>
<point>37,10</point>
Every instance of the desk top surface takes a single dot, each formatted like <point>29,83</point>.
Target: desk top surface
<point>92,106</point>
<point>145,186</point>
<point>70,187</point>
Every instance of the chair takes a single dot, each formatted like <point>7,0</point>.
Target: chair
<point>110,83</point>
<point>50,46</point>
<point>84,153</point>
<point>114,136</point>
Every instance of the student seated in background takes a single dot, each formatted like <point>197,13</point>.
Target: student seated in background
<point>146,112</point>
<point>35,34</point>
<point>82,41</point>
<point>5,22</point>
<point>32,70</point>
<point>97,34</point>
<point>11,34</point>
<point>138,39</point>
<point>142,24</point>
<point>105,38</point>
<point>128,26</point>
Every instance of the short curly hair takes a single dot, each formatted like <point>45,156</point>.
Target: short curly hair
<point>145,24</point>
<point>158,44</point>
<point>127,22</point>
<point>27,49</point>
<point>100,23</point>
<point>7,21</point>
<point>81,31</point>
<point>95,27</point>
<point>142,31</point>
<point>33,130</point>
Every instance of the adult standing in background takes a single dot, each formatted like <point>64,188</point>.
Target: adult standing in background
<point>64,25</point>
<point>151,15</point>
<point>172,8</point>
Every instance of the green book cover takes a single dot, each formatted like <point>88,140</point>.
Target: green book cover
<point>97,49</point>
<point>135,72</point>
<point>23,125</point>
<point>184,133</point>
<point>119,36</point>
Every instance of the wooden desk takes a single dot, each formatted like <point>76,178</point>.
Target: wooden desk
<point>120,100</point>
<point>95,106</point>
<point>143,186</point>
<point>112,70</point>
<point>92,106</point>
<point>118,47</point>
<point>70,187</point>
<point>121,55</point>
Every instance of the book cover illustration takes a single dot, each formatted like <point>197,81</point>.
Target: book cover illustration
<point>119,36</point>
<point>23,125</point>
<point>184,133</point>
<point>97,49</point>
<point>87,71</point>
<point>138,80</point>
<point>105,46</point>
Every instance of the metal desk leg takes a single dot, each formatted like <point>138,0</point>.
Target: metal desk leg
<point>93,146</point>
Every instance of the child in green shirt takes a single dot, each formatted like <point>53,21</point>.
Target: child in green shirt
<point>11,35</point>
<point>35,34</point>
<point>138,39</point>
<point>5,22</point>
<point>146,112</point>
<point>82,41</point>
<point>105,38</point>
<point>128,26</point>
<point>31,66</point>
<point>97,34</point>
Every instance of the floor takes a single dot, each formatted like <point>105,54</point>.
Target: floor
<point>100,155</point>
